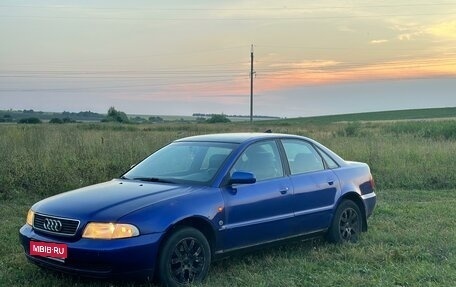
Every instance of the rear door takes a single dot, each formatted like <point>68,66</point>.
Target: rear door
<point>315,186</point>
<point>262,211</point>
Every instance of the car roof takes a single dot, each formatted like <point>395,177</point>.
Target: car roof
<point>236,137</point>
<point>241,138</point>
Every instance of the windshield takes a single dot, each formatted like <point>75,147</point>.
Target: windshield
<point>183,162</point>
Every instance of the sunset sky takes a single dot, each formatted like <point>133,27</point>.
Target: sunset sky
<point>184,57</point>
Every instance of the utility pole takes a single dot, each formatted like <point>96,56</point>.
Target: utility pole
<point>251,83</point>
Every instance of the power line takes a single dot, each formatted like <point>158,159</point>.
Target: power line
<point>220,71</point>
<point>174,84</point>
<point>180,53</point>
<point>311,7</point>
<point>270,72</point>
<point>345,48</point>
<point>304,18</point>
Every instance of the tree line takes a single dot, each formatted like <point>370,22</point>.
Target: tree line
<point>113,115</point>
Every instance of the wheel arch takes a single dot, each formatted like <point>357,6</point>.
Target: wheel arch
<point>199,223</point>
<point>353,196</point>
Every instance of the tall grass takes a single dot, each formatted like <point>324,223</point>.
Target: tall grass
<point>402,161</point>
<point>411,238</point>
<point>427,129</point>
<point>49,159</point>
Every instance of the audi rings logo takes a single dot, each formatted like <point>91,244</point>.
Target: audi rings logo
<point>52,225</point>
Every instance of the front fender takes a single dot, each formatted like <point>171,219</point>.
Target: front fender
<point>204,203</point>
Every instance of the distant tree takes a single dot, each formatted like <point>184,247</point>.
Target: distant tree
<point>218,119</point>
<point>6,118</point>
<point>156,119</point>
<point>56,121</point>
<point>200,119</point>
<point>30,121</point>
<point>116,116</point>
<point>61,121</point>
<point>138,120</point>
<point>68,120</point>
<point>85,115</point>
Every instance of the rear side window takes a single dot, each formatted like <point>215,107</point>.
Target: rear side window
<point>329,161</point>
<point>302,156</point>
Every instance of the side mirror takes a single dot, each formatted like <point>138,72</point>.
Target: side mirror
<point>242,177</point>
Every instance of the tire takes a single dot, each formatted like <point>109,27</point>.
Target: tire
<point>347,223</point>
<point>184,258</point>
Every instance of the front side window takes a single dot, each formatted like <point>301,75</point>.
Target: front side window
<point>302,156</point>
<point>183,162</point>
<point>262,159</point>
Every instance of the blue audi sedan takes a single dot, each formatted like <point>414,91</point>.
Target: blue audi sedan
<point>196,200</point>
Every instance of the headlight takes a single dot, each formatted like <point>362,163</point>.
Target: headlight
<point>96,230</point>
<point>30,217</point>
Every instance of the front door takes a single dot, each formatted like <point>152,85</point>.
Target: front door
<point>263,211</point>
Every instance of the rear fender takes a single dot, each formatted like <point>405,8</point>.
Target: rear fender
<point>356,198</point>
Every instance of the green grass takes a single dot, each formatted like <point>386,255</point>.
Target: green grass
<point>49,159</point>
<point>411,242</point>
<point>413,114</point>
<point>429,129</point>
<point>411,239</point>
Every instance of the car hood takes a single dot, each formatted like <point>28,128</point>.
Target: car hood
<point>108,201</point>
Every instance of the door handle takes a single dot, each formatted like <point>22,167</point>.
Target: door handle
<point>330,181</point>
<point>284,190</point>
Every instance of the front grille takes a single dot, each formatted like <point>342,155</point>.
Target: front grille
<point>55,225</point>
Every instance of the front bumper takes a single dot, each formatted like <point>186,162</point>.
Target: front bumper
<point>118,258</point>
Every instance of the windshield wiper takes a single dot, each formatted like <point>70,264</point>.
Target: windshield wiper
<point>153,179</point>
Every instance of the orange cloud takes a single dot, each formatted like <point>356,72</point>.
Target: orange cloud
<point>307,64</point>
<point>346,72</point>
<point>321,72</point>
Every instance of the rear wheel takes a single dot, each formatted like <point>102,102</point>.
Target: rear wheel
<point>184,258</point>
<point>347,223</point>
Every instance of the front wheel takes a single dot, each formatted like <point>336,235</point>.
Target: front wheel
<point>347,223</point>
<point>184,258</point>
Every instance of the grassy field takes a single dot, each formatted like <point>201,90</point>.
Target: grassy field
<point>412,235</point>
<point>414,114</point>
